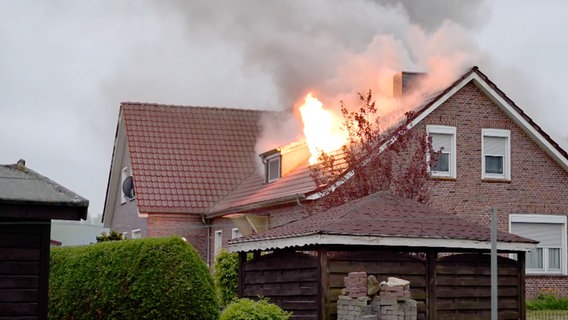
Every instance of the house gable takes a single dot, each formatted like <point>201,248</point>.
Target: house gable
<point>502,101</point>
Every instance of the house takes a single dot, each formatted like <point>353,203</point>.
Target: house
<point>492,156</point>
<point>171,164</point>
<point>28,203</point>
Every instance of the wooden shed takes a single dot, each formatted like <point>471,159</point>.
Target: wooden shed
<point>28,202</point>
<point>444,257</point>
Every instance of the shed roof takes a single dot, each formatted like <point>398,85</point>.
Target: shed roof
<point>21,187</point>
<point>381,219</point>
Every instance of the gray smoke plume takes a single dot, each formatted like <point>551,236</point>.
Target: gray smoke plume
<point>303,45</point>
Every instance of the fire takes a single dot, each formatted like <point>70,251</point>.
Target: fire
<point>322,128</point>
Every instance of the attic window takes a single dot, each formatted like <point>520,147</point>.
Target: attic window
<point>273,168</point>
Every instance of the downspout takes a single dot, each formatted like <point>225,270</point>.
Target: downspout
<point>208,238</point>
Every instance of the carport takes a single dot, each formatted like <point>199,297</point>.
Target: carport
<point>300,266</point>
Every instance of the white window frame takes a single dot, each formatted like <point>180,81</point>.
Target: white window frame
<point>268,161</point>
<point>235,233</point>
<point>136,233</point>
<point>452,131</point>
<point>124,235</point>
<point>542,218</point>
<point>499,133</point>
<point>218,242</point>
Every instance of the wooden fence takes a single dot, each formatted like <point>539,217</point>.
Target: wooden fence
<point>455,286</point>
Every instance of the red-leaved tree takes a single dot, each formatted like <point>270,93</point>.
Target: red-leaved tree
<point>374,160</point>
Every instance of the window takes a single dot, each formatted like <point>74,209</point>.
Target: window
<point>444,147</point>
<point>273,168</point>
<point>218,245</point>
<point>136,234</point>
<point>550,254</point>
<point>496,150</point>
<point>125,235</point>
<point>235,233</point>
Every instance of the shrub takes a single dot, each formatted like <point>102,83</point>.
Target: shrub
<point>227,276</point>
<point>160,278</point>
<point>547,302</point>
<point>247,309</point>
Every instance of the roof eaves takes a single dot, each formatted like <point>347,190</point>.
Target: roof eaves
<point>314,238</point>
<point>296,198</point>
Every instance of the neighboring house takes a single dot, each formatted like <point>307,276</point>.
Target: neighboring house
<point>171,164</point>
<point>492,156</point>
<point>76,233</point>
<point>28,203</point>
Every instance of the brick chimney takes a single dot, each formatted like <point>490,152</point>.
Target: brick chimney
<point>403,82</point>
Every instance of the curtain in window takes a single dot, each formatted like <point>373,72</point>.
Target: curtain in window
<point>554,258</point>
<point>441,144</point>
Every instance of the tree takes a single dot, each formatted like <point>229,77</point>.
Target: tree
<point>373,160</point>
<point>112,236</point>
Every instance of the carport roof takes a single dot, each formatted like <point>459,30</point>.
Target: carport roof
<point>382,219</point>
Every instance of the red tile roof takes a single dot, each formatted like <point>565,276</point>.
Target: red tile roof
<point>186,159</point>
<point>295,183</point>
<point>383,215</point>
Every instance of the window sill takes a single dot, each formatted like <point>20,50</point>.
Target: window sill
<point>442,178</point>
<point>544,274</point>
<point>496,180</point>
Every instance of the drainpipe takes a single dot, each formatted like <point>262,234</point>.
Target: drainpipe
<point>208,238</point>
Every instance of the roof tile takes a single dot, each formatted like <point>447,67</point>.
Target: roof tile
<point>174,148</point>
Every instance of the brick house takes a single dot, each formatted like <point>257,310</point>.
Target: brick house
<point>191,179</point>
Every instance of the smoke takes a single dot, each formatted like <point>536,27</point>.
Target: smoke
<point>338,48</point>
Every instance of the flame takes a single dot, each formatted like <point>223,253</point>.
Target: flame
<point>322,128</point>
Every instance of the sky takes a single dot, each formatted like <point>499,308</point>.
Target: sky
<point>65,66</point>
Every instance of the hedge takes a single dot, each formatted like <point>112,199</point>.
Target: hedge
<point>248,309</point>
<point>227,276</point>
<point>154,278</point>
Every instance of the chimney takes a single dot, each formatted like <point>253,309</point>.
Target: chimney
<point>404,82</point>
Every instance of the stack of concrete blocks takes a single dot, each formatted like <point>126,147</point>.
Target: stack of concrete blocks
<point>391,302</point>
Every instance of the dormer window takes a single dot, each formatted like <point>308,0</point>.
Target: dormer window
<point>273,168</point>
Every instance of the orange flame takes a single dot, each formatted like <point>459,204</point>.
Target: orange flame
<point>322,128</point>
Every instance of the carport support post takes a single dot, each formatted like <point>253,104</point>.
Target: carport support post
<point>494,291</point>
<point>242,260</point>
<point>324,286</point>
<point>431,259</point>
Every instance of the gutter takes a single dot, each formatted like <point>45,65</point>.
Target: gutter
<point>208,237</point>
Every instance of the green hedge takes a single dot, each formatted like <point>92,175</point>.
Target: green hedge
<point>227,276</point>
<point>155,278</point>
<point>247,309</point>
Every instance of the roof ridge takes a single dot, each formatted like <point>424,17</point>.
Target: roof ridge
<point>157,105</point>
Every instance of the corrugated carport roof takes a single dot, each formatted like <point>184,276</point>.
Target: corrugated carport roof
<point>382,219</point>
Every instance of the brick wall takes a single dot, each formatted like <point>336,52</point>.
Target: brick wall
<point>188,226</point>
<point>538,184</point>
<point>226,226</point>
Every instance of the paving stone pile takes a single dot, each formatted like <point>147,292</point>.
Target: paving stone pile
<point>369,300</point>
